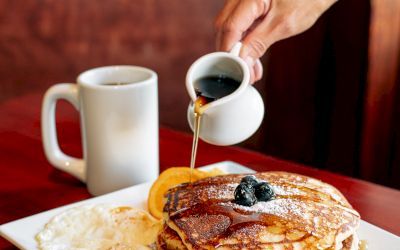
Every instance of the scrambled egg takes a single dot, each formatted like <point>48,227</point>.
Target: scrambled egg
<point>102,227</point>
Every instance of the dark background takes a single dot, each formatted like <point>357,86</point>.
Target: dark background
<point>332,94</point>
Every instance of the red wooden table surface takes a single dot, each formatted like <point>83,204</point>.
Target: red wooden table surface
<point>29,184</point>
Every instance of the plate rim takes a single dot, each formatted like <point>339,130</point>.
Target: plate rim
<point>4,228</point>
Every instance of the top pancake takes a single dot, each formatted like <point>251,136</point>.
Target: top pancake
<point>304,214</point>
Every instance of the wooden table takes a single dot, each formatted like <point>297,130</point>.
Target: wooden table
<point>29,184</point>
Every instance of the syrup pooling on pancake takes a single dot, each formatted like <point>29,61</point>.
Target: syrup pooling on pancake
<point>304,211</point>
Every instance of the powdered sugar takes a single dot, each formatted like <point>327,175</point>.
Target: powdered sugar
<point>284,208</point>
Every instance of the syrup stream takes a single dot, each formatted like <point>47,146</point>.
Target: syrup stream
<point>208,89</point>
<point>198,111</point>
<point>197,118</point>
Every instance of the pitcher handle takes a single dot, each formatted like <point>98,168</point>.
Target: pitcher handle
<point>236,49</point>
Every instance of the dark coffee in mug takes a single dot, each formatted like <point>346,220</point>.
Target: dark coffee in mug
<point>115,83</point>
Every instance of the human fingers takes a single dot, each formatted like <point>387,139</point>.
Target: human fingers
<point>258,70</point>
<point>239,21</point>
<point>221,17</point>
<point>255,69</point>
<point>284,19</point>
<point>258,40</point>
<point>250,63</point>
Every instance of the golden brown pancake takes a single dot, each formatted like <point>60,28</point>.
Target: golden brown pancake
<point>168,239</point>
<point>304,214</point>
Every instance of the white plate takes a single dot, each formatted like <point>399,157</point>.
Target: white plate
<point>22,232</point>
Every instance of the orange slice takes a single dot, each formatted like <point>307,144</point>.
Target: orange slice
<point>168,179</point>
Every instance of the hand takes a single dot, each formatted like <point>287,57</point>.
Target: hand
<point>260,23</point>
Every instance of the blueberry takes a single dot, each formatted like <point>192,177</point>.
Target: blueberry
<point>250,179</point>
<point>263,191</point>
<point>244,195</point>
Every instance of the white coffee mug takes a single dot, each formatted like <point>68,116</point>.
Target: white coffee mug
<point>118,108</point>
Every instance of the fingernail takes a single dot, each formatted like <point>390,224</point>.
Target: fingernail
<point>258,70</point>
<point>249,61</point>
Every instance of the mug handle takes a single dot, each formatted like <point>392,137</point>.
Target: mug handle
<point>55,156</point>
<point>236,49</point>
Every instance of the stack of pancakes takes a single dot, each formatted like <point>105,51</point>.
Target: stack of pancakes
<point>304,214</point>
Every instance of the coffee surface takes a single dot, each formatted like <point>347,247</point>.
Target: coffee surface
<point>115,83</point>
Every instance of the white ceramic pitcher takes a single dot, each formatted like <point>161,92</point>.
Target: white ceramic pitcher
<point>235,117</point>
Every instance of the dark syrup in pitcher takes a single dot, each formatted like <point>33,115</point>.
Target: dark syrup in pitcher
<point>208,89</point>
